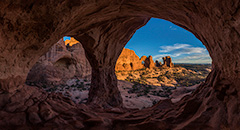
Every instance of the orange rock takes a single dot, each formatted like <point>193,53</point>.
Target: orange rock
<point>128,60</point>
<point>149,63</point>
<point>167,62</point>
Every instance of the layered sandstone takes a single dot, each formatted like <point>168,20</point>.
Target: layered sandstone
<point>30,28</point>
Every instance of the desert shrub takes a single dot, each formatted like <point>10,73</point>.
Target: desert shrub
<point>169,91</point>
<point>154,102</point>
<point>128,79</point>
<point>139,95</point>
<point>130,74</point>
<point>168,75</point>
<point>146,91</point>
<point>149,86</point>
<point>176,65</point>
<point>141,69</point>
<point>44,86</point>
<point>154,92</point>
<point>160,78</point>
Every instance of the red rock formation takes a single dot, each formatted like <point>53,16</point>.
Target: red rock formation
<point>128,60</point>
<point>143,58</point>
<point>158,64</point>
<point>167,62</point>
<point>149,63</point>
<point>29,29</point>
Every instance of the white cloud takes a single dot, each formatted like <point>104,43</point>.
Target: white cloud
<point>184,53</point>
<point>174,47</point>
<point>179,49</point>
<point>161,55</point>
<point>197,58</point>
<point>172,28</point>
<point>157,57</point>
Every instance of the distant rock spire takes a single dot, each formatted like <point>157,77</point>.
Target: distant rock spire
<point>158,64</point>
<point>167,62</point>
<point>149,63</point>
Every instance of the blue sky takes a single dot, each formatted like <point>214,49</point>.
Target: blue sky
<point>66,38</point>
<point>162,38</point>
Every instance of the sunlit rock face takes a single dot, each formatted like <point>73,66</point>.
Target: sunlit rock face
<point>149,63</point>
<point>128,60</point>
<point>167,62</point>
<point>30,28</point>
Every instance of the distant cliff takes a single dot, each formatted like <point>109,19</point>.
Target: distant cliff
<point>128,60</point>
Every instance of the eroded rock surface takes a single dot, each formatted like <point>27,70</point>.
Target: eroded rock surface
<point>60,64</point>
<point>30,28</point>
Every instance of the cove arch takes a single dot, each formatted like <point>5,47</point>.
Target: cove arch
<point>104,27</point>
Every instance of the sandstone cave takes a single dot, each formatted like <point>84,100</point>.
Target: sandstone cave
<point>29,29</point>
<point>142,82</point>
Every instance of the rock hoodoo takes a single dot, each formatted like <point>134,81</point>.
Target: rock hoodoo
<point>149,63</point>
<point>167,62</point>
<point>158,64</point>
<point>30,28</point>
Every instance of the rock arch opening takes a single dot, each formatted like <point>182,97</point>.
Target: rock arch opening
<point>63,69</point>
<point>181,64</point>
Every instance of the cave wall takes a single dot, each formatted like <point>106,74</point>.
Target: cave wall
<point>30,28</point>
